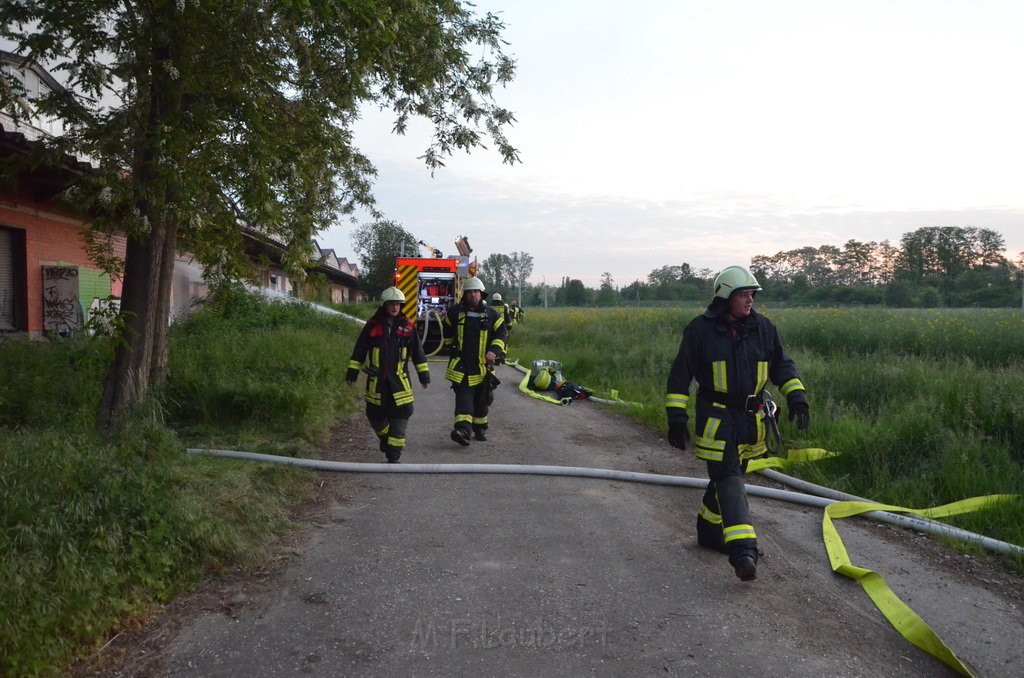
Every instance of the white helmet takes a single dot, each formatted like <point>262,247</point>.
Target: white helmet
<point>392,294</point>
<point>735,279</point>
<point>473,283</point>
<point>496,296</point>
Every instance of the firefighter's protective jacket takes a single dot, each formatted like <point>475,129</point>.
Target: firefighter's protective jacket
<point>731,362</point>
<point>383,350</point>
<point>470,334</point>
<point>504,309</point>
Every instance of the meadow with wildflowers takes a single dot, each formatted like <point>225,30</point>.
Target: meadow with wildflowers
<point>924,406</point>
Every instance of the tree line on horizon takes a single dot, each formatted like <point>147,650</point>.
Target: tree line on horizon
<point>933,266</point>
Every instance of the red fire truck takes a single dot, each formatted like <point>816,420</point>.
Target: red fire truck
<point>431,285</point>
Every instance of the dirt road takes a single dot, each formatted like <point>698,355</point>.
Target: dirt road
<point>496,575</point>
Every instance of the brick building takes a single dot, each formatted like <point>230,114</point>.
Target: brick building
<point>48,284</point>
<point>47,281</point>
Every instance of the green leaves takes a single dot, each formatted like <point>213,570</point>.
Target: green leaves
<point>243,110</point>
<point>378,244</point>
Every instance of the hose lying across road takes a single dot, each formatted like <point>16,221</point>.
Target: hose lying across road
<point>918,524</point>
<point>904,620</point>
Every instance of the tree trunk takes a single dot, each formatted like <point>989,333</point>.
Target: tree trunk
<point>149,257</point>
<point>127,380</point>
<point>158,364</point>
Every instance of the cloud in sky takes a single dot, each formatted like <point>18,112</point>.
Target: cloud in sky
<point>708,132</point>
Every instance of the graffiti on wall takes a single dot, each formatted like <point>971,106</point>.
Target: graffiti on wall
<point>62,314</point>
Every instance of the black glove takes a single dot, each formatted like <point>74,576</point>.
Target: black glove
<point>351,375</point>
<point>678,435</point>
<point>801,413</point>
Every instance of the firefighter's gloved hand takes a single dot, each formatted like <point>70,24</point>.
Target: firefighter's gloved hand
<point>351,375</point>
<point>800,413</point>
<point>678,435</point>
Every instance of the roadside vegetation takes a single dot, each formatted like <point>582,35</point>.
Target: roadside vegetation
<point>923,405</point>
<point>97,531</point>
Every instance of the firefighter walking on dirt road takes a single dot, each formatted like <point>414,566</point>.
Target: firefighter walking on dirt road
<point>382,350</point>
<point>732,352</point>
<point>476,337</point>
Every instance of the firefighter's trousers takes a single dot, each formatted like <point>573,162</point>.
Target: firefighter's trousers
<point>471,405</point>
<point>724,513</point>
<point>389,422</point>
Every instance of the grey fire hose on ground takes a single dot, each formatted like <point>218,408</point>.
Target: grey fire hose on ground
<point>914,523</point>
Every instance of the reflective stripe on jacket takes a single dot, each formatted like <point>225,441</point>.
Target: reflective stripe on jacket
<point>729,362</point>
<point>470,334</point>
<point>383,350</point>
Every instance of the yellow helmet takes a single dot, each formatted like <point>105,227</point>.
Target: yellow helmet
<point>392,294</point>
<point>543,378</point>
<point>735,279</point>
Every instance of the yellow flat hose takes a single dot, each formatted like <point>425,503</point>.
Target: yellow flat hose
<point>534,394</point>
<point>903,619</point>
<point>792,457</point>
<point>907,622</point>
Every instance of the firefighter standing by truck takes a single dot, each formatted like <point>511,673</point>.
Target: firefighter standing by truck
<point>475,335</point>
<point>382,350</point>
<point>732,352</point>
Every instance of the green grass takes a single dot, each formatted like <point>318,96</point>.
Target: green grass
<point>95,532</point>
<point>924,407</point>
<point>51,385</point>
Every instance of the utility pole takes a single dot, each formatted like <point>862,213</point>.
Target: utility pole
<point>545,283</point>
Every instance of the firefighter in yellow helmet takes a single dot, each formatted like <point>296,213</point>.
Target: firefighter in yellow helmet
<point>732,352</point>
<point>383,349</point>
<point>475,335</point>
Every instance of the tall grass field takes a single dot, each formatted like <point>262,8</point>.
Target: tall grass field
<point>924,407</point>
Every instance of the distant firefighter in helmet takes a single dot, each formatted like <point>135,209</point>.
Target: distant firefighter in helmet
<point>382,350</point>
<point>476,336</point>
<point>732,352</point>
<point>516,312</point>
<point>498,304</point>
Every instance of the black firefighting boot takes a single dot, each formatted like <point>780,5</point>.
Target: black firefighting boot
<point>743,558</point>
<point>393,454</point>
<point>480,432</point>
<point>383,444</point>
<point>746,568</point>
<point>461,436</point>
